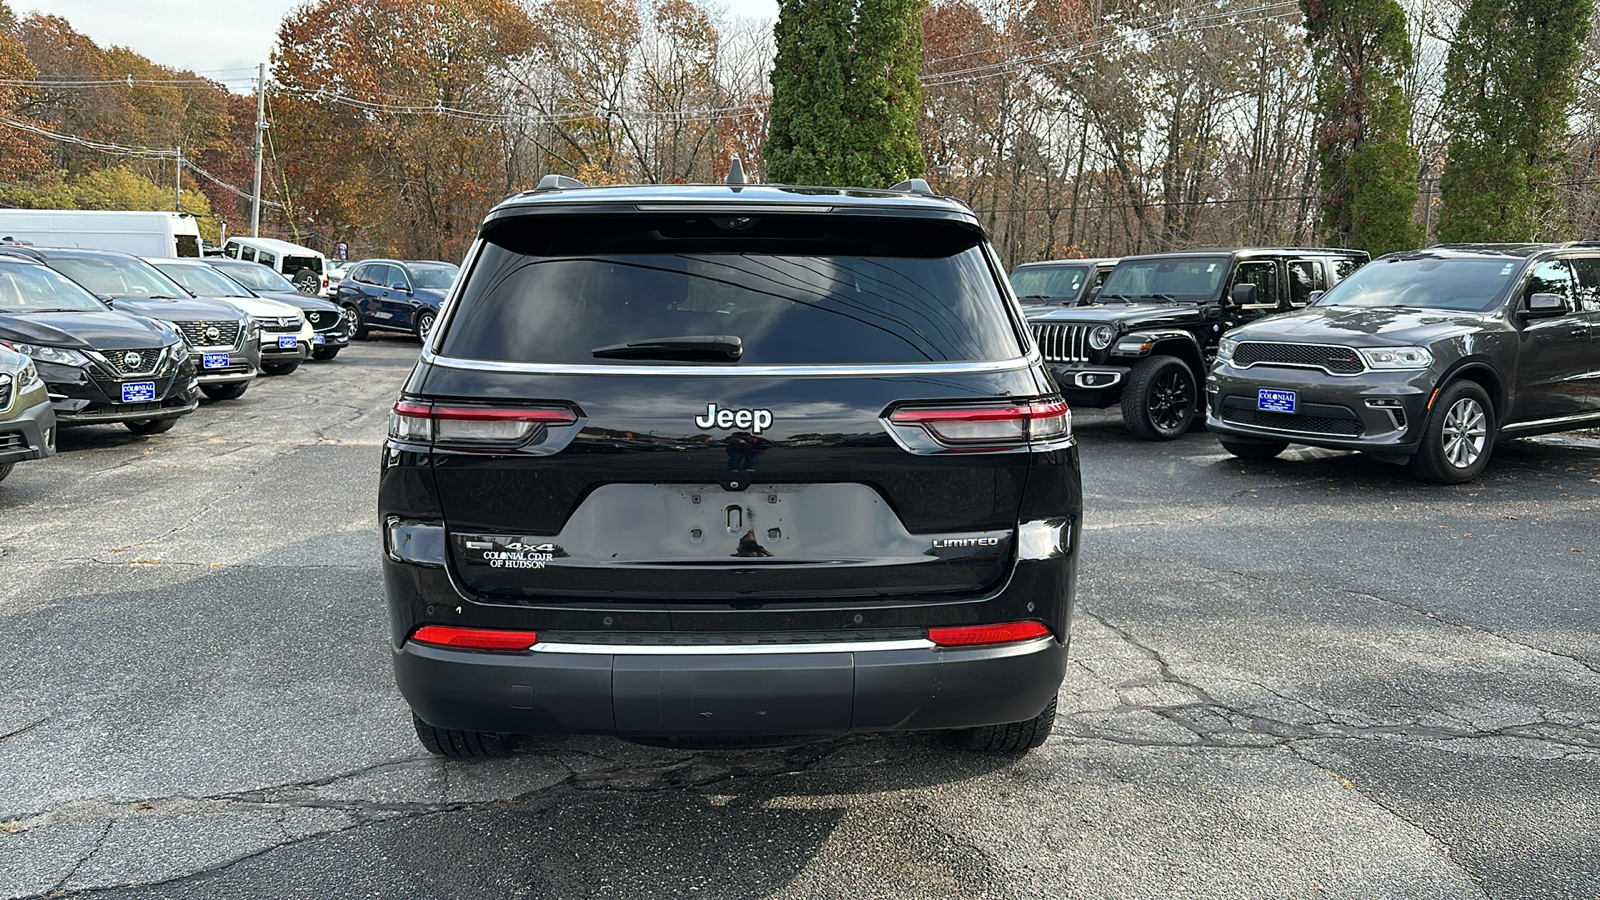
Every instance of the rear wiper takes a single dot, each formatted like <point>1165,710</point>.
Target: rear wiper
<point>709,347</point>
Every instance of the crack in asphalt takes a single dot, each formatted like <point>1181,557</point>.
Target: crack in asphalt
<point>24,729</point>
<point>1486,630</point>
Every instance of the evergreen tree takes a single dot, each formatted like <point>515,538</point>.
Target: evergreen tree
<point>1369,189</point>
<point>1508,86</point>
<point>884,95</point>
<point>846,92</point>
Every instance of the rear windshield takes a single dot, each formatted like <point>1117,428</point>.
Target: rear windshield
<point>1050,282</point>
<point>794,290</point>
<point>293,264</point>
<point>1183,278</point>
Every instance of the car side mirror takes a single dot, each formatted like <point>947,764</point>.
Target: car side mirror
<point>1242,295</point>
<point>1315,296</point>
<point>1542,306</point>
<point>399,287</point>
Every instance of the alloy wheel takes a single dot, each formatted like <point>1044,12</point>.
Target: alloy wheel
<point>1465,432</point>
<point>1170,397</point>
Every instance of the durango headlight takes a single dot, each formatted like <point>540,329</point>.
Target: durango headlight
<point>1225,348</point>
<point>1102,336</point>
<point>58,355</point>
<point>1397,357</point>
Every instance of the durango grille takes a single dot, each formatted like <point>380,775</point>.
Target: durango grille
<point>1289,422</point>
<point>1329,358</point>
<point>1063,343</point>
<point>210,334</point>
<point>123,362</point>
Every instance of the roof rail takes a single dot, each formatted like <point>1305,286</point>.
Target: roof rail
<point>914,186</point>
<point>553,182</point>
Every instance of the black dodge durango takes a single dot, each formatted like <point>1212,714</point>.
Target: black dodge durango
<point>1423,358</point>
<point>729,463</point>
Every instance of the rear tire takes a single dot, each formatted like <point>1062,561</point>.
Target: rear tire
<point>1245,448</point>
<point>325,352</point>
<point>280,368</point>
<point>424,326</point>
<point>1011,738</point>
<point>151,426</point>
<point>1459,436</point>
<point>5,469</point>
<point>461,744</point>
<point>225,391</point>
<point>1160,399</point>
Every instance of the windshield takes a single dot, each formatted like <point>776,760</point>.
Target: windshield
<point>1050,282</point>
<point>123,278</point>
<point>257,277</point>
<point>38,289</point>
<point>203,280</point>
<point>791,290</point>
<point>1181,278</point>
<point>1425,282</point>
<point>435,277</point>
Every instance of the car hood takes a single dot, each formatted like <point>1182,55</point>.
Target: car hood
<point>264,307</point>
<point>84,330</point>
<point>302,302</point>
<point>1365,327</point>
<point>188,309</point>
<point>430,296</point>
<point>1128,315</point>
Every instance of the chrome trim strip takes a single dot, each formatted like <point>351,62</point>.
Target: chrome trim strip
<point>866,370</point>
<point>1558,420</point>
<point>731,649</point>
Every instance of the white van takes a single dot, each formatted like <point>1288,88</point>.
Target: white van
<point>307,268</point>
<point>140,232</point>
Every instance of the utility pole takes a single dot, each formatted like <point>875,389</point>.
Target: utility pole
<point>177,183</point>
<point>261,127</point>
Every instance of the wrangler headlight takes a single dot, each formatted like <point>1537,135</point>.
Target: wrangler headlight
<point>1101,337</point>
<point>1398,357</point>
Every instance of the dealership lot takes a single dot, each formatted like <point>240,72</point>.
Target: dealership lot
<point>1311,676</point>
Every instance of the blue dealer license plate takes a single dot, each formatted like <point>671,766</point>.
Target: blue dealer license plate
<point>214,360</point>
<point>139,392</point>
<point>288,343</point>
<point>1275,401</point>
<point>320,339</point>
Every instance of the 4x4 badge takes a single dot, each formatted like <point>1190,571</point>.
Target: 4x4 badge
<point>754,421</point>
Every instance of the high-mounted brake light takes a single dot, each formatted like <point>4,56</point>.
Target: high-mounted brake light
<point>472,425</point>
<point>975,635</point>
<point>475,638</point>
<point>1009,425</point>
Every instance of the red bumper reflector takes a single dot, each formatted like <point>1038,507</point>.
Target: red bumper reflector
<point>972,635</point>
<point>475,638</point>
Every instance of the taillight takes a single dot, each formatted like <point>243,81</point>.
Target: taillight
<point>472,426</point>
<point>991,426</point>
<point>475,638</point>
<point>975,635</point>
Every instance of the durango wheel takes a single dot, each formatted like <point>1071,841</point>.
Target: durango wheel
<point>1459,437</point>
<point>1158,403</point>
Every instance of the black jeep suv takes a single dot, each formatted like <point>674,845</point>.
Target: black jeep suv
<point>1422,357</point>
<point>1150,333</point>
<point>729,463</point>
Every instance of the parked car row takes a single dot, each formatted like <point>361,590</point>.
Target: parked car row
<point>98,336</point>
<point>1421,358</point>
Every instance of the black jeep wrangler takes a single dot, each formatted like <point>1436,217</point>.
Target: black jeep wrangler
<point>1151,332</point>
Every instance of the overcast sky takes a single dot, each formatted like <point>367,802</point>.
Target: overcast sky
<point>220,40</point>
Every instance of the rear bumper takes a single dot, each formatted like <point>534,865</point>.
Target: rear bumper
<point>661,692</point>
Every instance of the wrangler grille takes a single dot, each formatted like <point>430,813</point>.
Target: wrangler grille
<point>1063,343</point>
<point>1329,358</point>
<point>198,334</point>
<point>147,362</point>
<point>1289,422</point>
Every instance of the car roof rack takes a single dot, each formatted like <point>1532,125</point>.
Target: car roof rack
<point>553,182</point>
<point>914,186</point>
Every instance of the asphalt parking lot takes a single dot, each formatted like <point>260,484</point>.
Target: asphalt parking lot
<point>1308,677</point>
